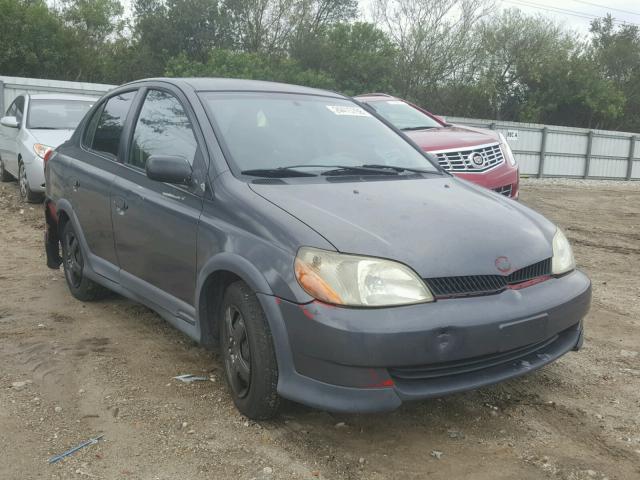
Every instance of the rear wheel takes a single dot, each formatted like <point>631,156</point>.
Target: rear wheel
<point>26,193</point>
<point>4,175</point>
<point>248,353</point>
<point>73,261</point>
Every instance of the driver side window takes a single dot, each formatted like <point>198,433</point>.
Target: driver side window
<point>163,128</point>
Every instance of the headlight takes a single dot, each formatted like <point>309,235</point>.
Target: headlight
<point>358,281</point>
<point>506,150</point>
<point>41,149</point>
<point>562,261</point>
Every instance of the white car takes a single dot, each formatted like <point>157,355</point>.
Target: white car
<point>32,125</point>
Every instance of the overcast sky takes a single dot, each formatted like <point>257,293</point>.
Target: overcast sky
<point>577,14</point>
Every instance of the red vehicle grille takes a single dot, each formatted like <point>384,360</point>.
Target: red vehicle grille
<point>462,160</point>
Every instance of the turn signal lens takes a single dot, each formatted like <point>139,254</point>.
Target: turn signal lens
<point>41,149</point>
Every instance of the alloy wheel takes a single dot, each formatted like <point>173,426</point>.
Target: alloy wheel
<point>23,182</point>
<point>238,353</point>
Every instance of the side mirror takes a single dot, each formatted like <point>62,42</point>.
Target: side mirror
<point>10,122</point>
<point>168,169</point>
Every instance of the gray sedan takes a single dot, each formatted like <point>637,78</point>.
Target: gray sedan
<point>332,261</point>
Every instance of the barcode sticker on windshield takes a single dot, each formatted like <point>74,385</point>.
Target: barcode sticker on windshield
<point>352,111</point>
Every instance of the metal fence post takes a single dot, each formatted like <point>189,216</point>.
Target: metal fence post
<point>1,98</point>
<point>492,125</point>
<point>632,152</point>
<point>543,151</point>
<point>587,163</point>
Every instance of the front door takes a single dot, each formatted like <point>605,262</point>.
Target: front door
<point>155,223</point>
<point>9,137</point>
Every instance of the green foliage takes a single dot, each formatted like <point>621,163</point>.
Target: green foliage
<point>226,63</point>
<point>455,57</point>
<point>32,43</point>
<point>359,57</point>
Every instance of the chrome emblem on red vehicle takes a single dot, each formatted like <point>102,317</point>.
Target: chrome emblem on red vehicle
<point>503,264</point>
<point>477,159</point>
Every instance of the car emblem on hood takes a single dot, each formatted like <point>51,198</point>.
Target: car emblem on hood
<point>477,159</point>
<point>503,264</point>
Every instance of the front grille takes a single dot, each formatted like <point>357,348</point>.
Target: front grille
<point>475,285</point>
<point>468,365</point>
<point>462,160</point>
<point>504,190</point>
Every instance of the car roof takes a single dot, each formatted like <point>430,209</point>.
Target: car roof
<point>203,84</point>
<point>372,97</point>
<point>61,96</point>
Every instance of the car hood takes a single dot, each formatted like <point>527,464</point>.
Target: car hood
<point>51,138</point>
<point>454,136</point>
<point>438,226</point>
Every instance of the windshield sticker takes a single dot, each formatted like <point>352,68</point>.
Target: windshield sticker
<point>351,111</point>
<point>395,102</point>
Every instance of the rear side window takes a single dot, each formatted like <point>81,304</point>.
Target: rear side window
<point>105,127</point>
<point>163,128</point>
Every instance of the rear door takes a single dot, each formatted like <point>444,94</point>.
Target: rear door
<point>9,137</point>
<point>90,174</point>
<point>155,224</point>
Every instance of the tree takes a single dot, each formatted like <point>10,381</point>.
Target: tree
<point>515,50</point>
<point>271,26</point>
<point>92,28</point>
<point>249,65</point>
<point>616,52</point>
<point>359,57</point>
<point>32,40</point>
<point>435,40</point>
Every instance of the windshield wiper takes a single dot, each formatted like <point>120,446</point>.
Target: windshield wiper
<point>409,129</point>
<point>280,172</point>
<point>400,169</point>
<point>363,169</point>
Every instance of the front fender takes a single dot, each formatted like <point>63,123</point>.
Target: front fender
<point>237,265</point>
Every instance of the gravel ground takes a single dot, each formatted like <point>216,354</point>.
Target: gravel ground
<point>71,371</point>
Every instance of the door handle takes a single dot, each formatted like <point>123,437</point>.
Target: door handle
<point>121,205</point>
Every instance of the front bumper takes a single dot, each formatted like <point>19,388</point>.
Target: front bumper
<point>504,179</point>
<point>365,360</point>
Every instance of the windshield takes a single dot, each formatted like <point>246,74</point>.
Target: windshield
<point>57,114</point>
<point>403,115</point>
<point>264,131</point>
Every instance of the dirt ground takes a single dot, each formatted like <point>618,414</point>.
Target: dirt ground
<point>70,371</point>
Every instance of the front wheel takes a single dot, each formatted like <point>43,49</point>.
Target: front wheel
<point>26,193</point>
<point>248,352</point>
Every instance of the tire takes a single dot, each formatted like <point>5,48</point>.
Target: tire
<point>26,193</point>
<point>73,262</point>
<point>245,340</point>
<point>4,175</point>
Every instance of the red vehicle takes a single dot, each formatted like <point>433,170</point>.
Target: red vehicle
<point>478,155</point>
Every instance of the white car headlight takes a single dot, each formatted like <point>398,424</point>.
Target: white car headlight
<point>41,149</point>
<point>506,150</point>
<point>563,260</point>
<point>352,280</point>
